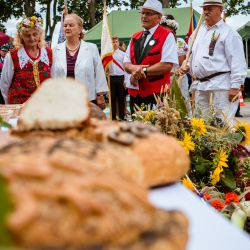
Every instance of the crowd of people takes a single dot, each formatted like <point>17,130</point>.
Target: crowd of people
<point>142,70</point>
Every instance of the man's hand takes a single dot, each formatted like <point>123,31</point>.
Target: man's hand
<point>232,94</point>
<point>137,72</point>
<point>133,81</point>
<point>184,69</point>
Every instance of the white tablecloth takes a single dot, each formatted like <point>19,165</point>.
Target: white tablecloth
<point>208,230</point>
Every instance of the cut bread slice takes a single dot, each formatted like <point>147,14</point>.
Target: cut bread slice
<point>57,104</point>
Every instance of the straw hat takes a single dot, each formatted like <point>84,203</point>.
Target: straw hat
<point>154,5</point>
<point>212,2</point>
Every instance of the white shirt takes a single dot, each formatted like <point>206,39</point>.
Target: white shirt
<point>114,70</point>
<point>228,56</point>
<point>8,69</point>
<point>169,49</point>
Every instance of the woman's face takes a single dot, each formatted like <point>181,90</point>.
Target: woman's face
<point>30,37</point>
<point>71,27</point>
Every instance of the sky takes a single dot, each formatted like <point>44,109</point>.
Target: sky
<point>235,22</point>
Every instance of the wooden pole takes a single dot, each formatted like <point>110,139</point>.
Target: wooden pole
<point>110,106</point>
<point>108,73</point>
<point>65,7</point>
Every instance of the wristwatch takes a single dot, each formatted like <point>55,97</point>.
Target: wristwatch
<point>145,71</point>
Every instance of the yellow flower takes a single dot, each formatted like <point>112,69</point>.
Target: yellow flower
<point>187,143</point>
<point>222,159</point>
<point>33,19</point>
<point>216,175</point>
<point>222,162</point>
<point>189,184</point>
<point>149,116</point>
<point>244,128</point>
<point>199,126</point>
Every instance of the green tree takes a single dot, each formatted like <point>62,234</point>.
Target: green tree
<point>235,7</point>
<point>90,10</point>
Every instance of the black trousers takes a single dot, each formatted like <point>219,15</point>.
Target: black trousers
<point>117,91</point>
<point>138,100</point>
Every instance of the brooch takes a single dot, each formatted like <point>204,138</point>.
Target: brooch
<point>152,42</point>
<point>212,43</point>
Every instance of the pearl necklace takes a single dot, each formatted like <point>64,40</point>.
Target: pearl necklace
<point>74,48</point>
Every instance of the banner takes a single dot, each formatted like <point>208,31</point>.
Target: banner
<point>192,25</point>
<point>61,37</point>
<point>107,49</point>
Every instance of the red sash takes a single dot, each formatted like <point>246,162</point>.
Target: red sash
<point>115,62</point>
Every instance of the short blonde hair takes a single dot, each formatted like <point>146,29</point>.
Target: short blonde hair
<point>79,21</point>
<point>18,41</point>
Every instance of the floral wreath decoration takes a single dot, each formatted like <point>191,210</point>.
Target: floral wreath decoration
<point>169,22</point>
<point>30,22</point>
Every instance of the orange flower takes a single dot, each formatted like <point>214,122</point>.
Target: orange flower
<point>206,197</point>
<point>231,197</point>
<point>218,204</point>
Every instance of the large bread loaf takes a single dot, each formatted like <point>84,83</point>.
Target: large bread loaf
<point>57,104</point>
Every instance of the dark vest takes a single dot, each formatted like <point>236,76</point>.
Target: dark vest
<point>151,55</point>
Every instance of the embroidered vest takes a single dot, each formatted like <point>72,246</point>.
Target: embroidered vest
<point>151,55</point>
<point>24,81</point>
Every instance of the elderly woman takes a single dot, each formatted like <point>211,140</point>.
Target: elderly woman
<point>80,60</point>
<point>28,64</point>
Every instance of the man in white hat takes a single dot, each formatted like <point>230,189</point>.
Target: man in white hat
<point>150,56</point>
<point>217,63</point>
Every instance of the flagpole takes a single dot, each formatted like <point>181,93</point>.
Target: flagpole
<point>65,7</point>
<point>108,73</point>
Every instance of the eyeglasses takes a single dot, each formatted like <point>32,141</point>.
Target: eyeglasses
<point>148,13</point>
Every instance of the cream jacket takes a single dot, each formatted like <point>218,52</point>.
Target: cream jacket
<point>88,68</point>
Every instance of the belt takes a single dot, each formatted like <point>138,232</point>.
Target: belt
<point>204,79</point>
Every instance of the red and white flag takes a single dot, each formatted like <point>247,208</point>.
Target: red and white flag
<point>107,49</point>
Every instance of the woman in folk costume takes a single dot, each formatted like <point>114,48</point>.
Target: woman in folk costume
<point>169,22</point>
<point>28,64</point>
<point>80,60</point>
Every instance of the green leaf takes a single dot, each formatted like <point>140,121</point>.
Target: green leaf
<point>237,137</point>
<point>201,165</point>
<point>228,179</point>
<point>178,99</point>
<point>3,123</point>
<point>5,208</point>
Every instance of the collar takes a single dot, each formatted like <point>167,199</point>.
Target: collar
<point>153,29</point>
<point>217,25</point>
<point>24,58</point>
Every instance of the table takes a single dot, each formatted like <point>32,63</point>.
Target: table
<point>208,230</point>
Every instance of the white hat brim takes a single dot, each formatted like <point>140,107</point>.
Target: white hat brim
<point>149,8</point>
<point>212,4</point>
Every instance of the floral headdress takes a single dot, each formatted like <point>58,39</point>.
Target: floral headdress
<point>30,22</point>
<point>169,22</point>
